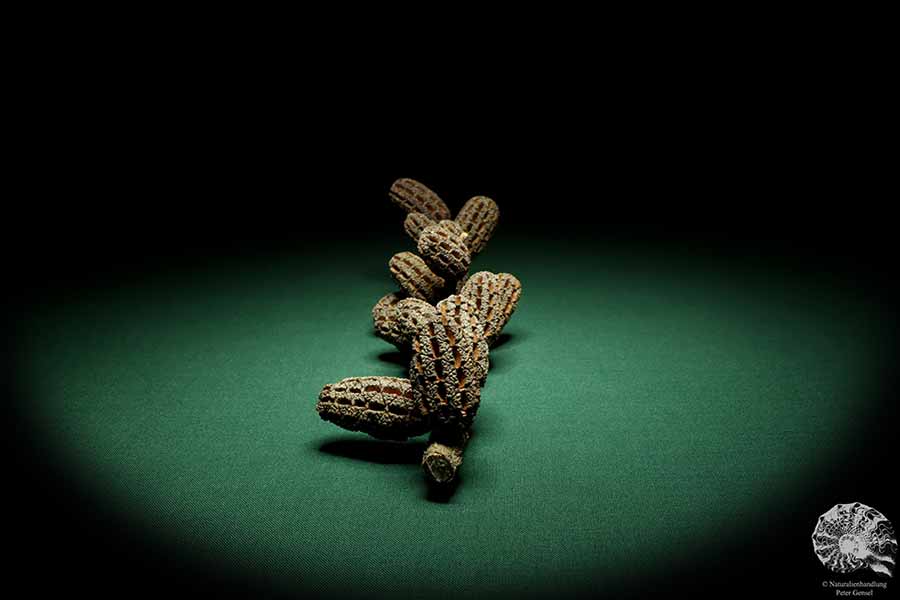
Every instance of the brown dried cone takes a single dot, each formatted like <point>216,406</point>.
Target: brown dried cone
<point>478,217</point>
<point>415,278</point>
<point>414,223</point>
<point>444,455</point>
<point>453,228</point>
<point>412,196</point>
<point>444,366</point>
<point>384,407</point>
<point>392,315</point>
<point>384,317</point>
<point>480,346</point>
<point>412,314</point>
<point>495,298</point>
<point>444,251</point>
<point>481,354</point>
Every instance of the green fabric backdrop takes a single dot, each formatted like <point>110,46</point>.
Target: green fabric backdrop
<point>643,409</point>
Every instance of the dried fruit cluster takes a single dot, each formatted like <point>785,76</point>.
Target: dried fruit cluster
<point>445,320</point>
<point>445,246</point>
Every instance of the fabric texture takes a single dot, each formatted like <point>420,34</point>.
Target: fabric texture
<point>639,410</point>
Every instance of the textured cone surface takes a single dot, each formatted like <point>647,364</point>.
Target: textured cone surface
<point>478,217</point>
<point>415,278</point>
<point>412,315</point>
<point>384,407</point>
<point>480,354</point>
<point>460,284</point>
<point>444,455</point>
<point>414,223</point>
<point>444,366</point>
<point>412,196</point>
<point>385,317</point>
<point>445,252</point>
<point>464,313</point>
<point>480,345</point>
<point>495,298</point>
<point>453,228</point>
